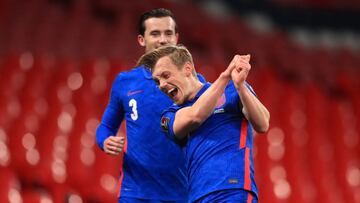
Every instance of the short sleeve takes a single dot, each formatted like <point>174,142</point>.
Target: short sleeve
<point>233,98</point>
<point>167,123</point>
<point>167,126</point>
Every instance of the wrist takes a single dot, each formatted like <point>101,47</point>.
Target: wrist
<point>224,75</point>
<point>241,86</point>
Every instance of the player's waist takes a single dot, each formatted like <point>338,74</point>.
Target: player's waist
<point>154,186</point>
<point>197,193</point>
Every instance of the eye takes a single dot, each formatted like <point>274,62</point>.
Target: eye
<point>169,33</point>
<point>166,75</point>
<point>155,33</point>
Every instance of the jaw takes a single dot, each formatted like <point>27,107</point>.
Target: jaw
<point>180,98</point>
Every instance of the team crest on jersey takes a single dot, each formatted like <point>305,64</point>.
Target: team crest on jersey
<point>164,123</point>
<point>221,101</point>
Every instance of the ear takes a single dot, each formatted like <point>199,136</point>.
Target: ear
<point>141,40</point>
<point>188,68</point>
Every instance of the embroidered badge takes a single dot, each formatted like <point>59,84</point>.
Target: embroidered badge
<point>165,123</point>
<point>221,101</point>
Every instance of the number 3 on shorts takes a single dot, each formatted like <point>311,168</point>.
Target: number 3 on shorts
<point>134,114</point>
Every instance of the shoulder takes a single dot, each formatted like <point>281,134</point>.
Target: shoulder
<point>173,108</point>
<point>134,73</point>
<point>125,80</point>
<point>132,76</point>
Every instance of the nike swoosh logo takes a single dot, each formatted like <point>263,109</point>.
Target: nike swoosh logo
<point>133,92</point>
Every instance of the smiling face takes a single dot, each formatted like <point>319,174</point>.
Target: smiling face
<point>172,80</point>
<point>158,32</point>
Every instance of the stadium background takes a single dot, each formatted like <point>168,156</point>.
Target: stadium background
<point>59,57</point>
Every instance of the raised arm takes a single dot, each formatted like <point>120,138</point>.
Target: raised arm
<point>253,109</point>
<point>189,118</point>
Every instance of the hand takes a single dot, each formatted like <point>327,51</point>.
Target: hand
<point>241,71</point>
<point>114,145</point>
<point>230,68</point>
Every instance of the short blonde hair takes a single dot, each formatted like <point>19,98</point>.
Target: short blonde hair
<point>178,54</point>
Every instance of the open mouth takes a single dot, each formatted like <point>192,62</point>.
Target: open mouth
<point>173,92</point>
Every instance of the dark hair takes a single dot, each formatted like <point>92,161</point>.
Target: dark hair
<point>155,13</point>
<point>178,54</point>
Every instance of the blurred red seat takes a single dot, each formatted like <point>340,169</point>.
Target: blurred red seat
<point>10,186</point>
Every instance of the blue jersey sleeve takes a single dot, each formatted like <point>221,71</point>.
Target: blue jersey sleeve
<point>167,125</point>
<point>113,115</point>
<point>233,96</point>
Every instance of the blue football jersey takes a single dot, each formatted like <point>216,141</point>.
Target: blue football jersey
<point>153,166</point>
<point>219,152</point>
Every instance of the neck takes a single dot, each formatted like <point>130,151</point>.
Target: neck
<point>197,85</point>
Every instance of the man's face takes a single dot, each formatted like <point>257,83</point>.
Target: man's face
<point>158,32</point>
<point>172,80</point>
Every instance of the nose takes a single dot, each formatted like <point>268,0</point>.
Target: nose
<point>163,39</point>
<point>162,85</point>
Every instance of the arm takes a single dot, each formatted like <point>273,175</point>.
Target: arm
<point>110,123</point>
<point>253,109</point>
<point>105,133</point>
<point>189,118</point>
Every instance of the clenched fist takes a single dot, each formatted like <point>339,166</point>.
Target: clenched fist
<point>241,70</point>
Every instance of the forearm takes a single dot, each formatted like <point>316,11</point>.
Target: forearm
<point>206,103</point>
<point>109,125</point>
<point>102,133</point>
<point>253,109</point>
